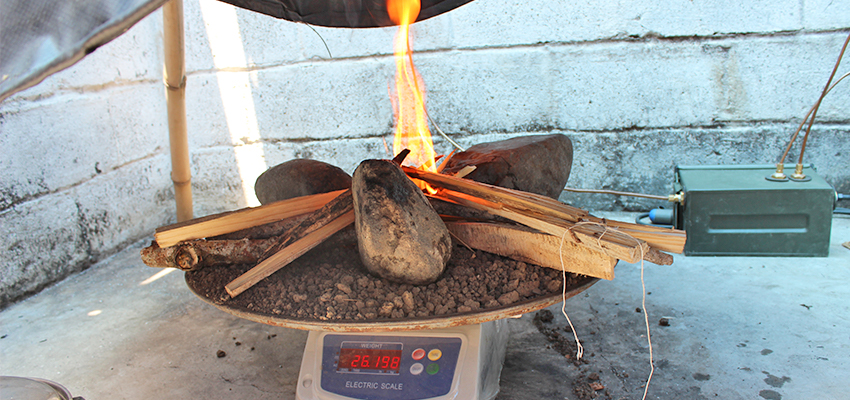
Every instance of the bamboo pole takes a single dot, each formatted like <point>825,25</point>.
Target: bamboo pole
<point>175,85</point>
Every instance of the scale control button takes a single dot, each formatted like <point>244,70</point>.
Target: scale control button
<point>418,354</point>
<point>416,368</point>
<point>435,354</point>
<point>433,369</point>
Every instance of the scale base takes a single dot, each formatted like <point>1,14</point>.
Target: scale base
<point>462,363</point>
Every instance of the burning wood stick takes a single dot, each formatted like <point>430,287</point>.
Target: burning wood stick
<point>524,205</point>
<point>312,231</point>
<point>227,222</point>
<point>523,244</point>
<point>496,194</point>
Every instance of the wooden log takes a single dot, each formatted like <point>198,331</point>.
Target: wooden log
<point>524,244</point>
<point>195,254</point>
<point>287,255</point>
<point>232,221</point>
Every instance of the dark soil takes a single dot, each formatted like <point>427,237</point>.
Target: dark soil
<point>329,283</point>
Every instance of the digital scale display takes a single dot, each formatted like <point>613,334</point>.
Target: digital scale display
<point>369,357</point>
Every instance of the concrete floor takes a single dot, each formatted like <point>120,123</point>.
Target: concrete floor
<point>739,328</point>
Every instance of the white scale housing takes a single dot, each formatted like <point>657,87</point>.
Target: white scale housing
<point>462,363</point>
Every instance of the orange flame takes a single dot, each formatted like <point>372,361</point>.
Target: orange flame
<point>411,130</point>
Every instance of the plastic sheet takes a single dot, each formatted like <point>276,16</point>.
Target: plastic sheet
<point>39,38</point>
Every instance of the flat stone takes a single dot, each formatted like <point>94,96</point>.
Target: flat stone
<point>299,177</point>
<point>536,164</point>
<point>399,236</point>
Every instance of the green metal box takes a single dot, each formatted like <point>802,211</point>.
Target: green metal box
<point>732,210</point>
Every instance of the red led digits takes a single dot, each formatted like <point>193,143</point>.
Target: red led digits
<point>369,359</point>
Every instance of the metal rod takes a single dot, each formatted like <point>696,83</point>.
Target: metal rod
<point>175,84</point>
<point>618,193</point>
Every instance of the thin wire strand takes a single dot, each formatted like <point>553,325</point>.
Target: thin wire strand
<point>823,94</point>
<point>646,319</point>
<point>580,348</point>
<point>806,118</point>
<point>322,39</point>
<point>443,134</point>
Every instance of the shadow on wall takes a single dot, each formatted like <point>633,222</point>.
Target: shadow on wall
<point>228,54</point>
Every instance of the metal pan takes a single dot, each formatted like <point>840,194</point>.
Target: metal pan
<point>407,324</point>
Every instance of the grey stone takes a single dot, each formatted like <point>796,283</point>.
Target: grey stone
<point>400,237</point>
<point>299,177</point>
<point>537,164</point>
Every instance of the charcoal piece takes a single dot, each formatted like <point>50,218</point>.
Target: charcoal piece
<point>400,237</point>
<point>299,177</point>
<point>536,164</point>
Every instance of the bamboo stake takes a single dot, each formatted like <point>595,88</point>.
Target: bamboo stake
<point>287,255</point>
<point>242,219</point>
<point>175,84</point>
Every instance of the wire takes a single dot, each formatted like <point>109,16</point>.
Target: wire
<point>806,118</point>
<point>443,134</point>
<point>814,111</point>
<point>614,192</point>
<point>322,39</point>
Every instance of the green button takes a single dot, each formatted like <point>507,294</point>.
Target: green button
<point>432,369</point>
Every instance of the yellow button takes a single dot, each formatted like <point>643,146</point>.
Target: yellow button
<point>435,354</point>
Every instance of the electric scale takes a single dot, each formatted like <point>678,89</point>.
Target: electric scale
<point>457,356</point>
<point>462,362</point>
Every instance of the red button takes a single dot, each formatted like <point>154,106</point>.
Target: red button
<point>418,354</point>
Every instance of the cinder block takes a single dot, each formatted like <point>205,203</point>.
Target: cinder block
<point>476,24</point>
<point>326,100</point>
<point>621,85</point>
<point>121,206</point>
<point>824,15</point>
<point>42,243</point>
<point>777,78</point>
<point>72,138</point>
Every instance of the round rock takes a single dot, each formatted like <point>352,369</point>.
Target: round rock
<point>299,177</point>
<point>538,164</point>
<point>400,237</point>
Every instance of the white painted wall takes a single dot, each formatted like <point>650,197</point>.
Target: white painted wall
<point>639,86</point>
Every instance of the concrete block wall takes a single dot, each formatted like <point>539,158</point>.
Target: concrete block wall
<point>640,86</point>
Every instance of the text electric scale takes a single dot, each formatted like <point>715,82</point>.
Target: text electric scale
<point>462,362</point>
